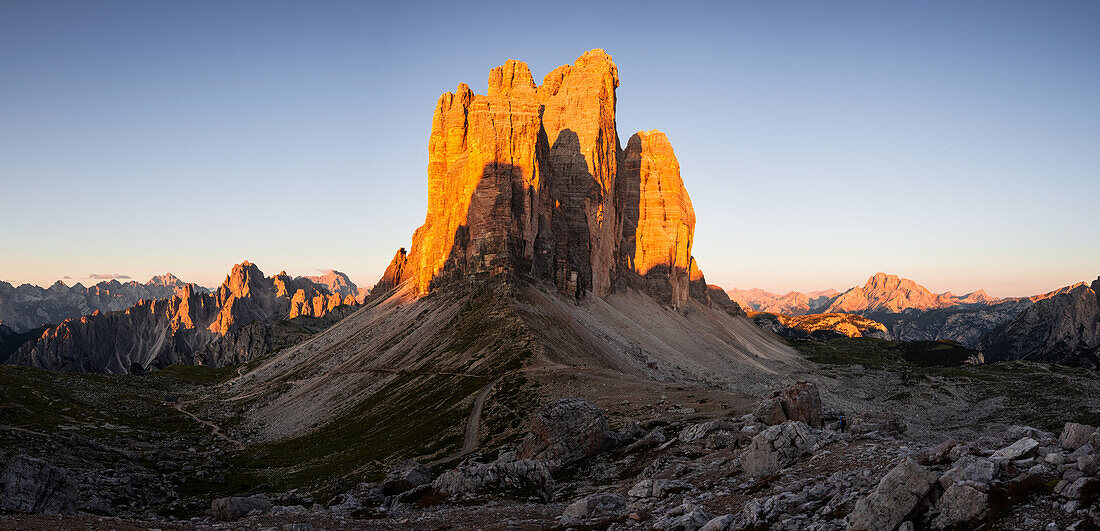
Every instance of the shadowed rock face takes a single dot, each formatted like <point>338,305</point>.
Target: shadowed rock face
<point>1063,328</point>
<point>530,180</point>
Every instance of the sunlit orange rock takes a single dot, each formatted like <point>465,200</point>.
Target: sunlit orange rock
<point>521,179</point>
<point>657,218</point>
<point>393,275</point>
<point>530,180</point>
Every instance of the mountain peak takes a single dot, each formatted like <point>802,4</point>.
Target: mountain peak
<point>167,279</point>
<point>336,282</point>
<point>241,279</point>
<point>886,281</point>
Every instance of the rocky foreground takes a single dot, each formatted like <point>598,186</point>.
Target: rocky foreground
<point>791,464</point>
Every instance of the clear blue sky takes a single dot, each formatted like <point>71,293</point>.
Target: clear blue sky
<point>955,143</point>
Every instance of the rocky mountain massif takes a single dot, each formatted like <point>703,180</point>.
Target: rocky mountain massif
<point>891,294</point>
<point>1062,328</point>
<point>230,325</point>
<point>550,256</point>
<point>27,306</point>
<point>530,180</point>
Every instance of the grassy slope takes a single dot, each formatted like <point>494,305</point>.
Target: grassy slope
<point>414,415</point>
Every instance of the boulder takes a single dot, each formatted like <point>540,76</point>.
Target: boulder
<point>970,468</point>
<point>770,411</point>
<point>237,507</point>
<point>29,485</point>
<point>406,475</point>
<point>1075,435</point>
<point>1085,489</point>
<point>686,517</point>
<point>959,505</point>
<point>699,431</point>
<point>720,523</point>
<point>651,439</point>
<point>800,402</point>
<point>893,499</point>
<point>775,448</point>
<point>564,432</point>
<point>1016,432</point>
<point>515,477</point>
<point>939,453</point>
<point>657,488</point>
<point>591,509</point>
<point>877,422</point>
<point>1017,450</point>
<point>1089,464</point>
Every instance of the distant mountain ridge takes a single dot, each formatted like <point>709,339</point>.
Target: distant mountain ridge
<point>225,326</point>
<point>790,303</point>
<point>910,311</point>
<point>28,306</point>
<point>340,284</point>
<point>891,293</point>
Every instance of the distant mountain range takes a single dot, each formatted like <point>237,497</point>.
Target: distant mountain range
<point>28,306</point>
<point>881,293</point>
<point>191,325</point>
<point>790,303</point>
<point>1061,325</point>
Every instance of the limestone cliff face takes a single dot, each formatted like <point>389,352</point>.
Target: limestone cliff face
<point>227,326</point>
<point>337,283</point>
<point>530,180</point>
<point>657,218</point>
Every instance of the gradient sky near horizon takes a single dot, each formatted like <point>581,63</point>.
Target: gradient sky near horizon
<point>955,143</point>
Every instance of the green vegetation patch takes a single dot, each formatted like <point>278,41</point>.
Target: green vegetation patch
<point>1042,395</point>
<point>43,400</point>
<point>413,415</point>
<point>872,352</point>
<point>198,374</point>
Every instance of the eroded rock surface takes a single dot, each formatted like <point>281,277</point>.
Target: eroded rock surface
<point>29,485</point>
<point>895,497</point>
<point>566,431</point>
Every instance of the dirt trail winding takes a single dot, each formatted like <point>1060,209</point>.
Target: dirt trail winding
<point>473,424</point>
<point>217,430</point>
